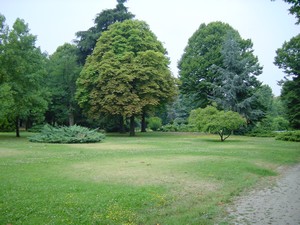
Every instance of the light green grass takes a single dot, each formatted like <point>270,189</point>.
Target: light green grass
<point>154,178</point>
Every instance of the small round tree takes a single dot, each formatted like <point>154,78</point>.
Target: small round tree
<point>210,119</point>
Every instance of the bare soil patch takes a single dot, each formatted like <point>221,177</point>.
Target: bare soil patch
<point>277,204</point>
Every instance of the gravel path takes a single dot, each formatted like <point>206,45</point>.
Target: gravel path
<point>276,205</point>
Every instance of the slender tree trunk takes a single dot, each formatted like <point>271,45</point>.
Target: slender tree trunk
<point>143,122</point>
<point>71,115</point>
<point>132,127</point>
<point>121,125</point>
<point>71,119</point>
<point>17,127</point>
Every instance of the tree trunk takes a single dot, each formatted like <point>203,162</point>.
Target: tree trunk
<point>71,119</point>
<point>121,125</point>
<point>71,115</point>
<point>17,127</point>
<point>143,122</point>
<point>132,127</point>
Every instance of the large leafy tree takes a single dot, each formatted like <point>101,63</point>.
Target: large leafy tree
<point>203,50</point>
<point>288,59</point>
<point>126,74</point>
<point>22,70</point>
<point>236,83</point>
<point>86,40</point>
<point>5,89</point>
<point>63,71</point>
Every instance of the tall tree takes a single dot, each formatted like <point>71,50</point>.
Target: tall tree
<point>63,72</point>
<point>22,70</point>
<point>288,59</point>
<point>204,50</point>
<point>236,81</point>
<point>126,73</point>
<point>6,97</point>
<point>86,40</point>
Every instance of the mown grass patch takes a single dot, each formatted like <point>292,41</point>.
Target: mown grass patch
<point>154,178</point>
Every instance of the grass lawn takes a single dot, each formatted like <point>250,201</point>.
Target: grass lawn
<point>154,178</point>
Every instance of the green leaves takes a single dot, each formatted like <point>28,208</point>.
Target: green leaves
<point>218,62</point>
<point>214,121</point>
<point>288,59</point>
<point>72,134</point>
<point>63,71</point>
<point>22,71</point>
<point>288,56</point>
<point>126,73</point>
<point>86,40</point>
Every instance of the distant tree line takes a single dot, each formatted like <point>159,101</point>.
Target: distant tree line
<point>117,75</point>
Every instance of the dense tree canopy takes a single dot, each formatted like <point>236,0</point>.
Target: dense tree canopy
<point>63,71</point>
<point>288,59</point>
<point>203,52</point>
<point>126,73</point>
<point>22,70</point>
<point>236,81</point>
<point>86,40</point>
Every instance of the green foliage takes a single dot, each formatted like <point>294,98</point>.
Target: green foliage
<point>178,128</point>
<point>72,134</point>
<point>288,59</point>
<point>63,71</point>
<point>154,123</point>
<point>21,74</point>
<point>237,82</point>
<point>267,126</point>
<point>204,50</point>
<point>86,40</point>
<point>295,9</point>
<point>289,136</point>
<point>6,125</point>
<point>210,119</point>
<point>126,74</point>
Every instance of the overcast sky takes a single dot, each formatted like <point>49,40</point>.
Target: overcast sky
<point>266,23</point>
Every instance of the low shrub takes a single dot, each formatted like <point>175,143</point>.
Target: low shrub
<point>72,134</point>
<point>154,123</point>
<point>178,128</point>
<point>289,136</point>
<point>268,126</point>
<point>36,128</point>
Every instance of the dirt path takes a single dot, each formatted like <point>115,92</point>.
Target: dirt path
<point>276,205</point>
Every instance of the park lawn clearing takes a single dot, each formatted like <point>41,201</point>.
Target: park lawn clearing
<point>154,178</point>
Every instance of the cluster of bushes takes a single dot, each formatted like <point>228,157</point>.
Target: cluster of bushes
<point>72,134</point>
<point>178,125</point>
<point>289,136</point>
<point>268,126</point>
<point>178,128</point>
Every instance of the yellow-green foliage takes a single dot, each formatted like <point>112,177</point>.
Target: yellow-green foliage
<point>210,119</point>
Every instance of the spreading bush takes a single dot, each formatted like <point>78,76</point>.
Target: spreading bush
<point>154,123</point>
<point>72,134</point>
<point>36,128</point>
<point>178,128</point>
<point>268,125</point>
<point>289,136</point>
